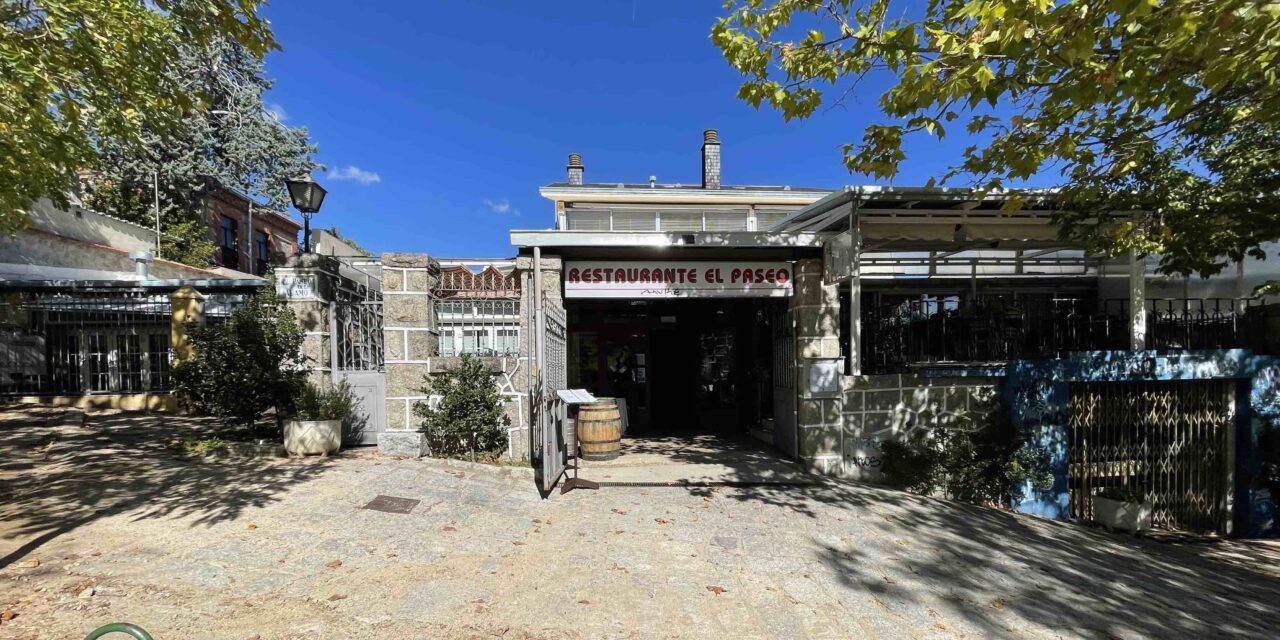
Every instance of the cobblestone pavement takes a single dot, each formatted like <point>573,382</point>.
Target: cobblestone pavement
<point>101,525</point>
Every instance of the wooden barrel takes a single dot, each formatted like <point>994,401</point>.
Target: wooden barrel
<point>599,428</point>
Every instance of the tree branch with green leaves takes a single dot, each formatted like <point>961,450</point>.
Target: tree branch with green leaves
<point>74,73</point>
<point>1166,107</point>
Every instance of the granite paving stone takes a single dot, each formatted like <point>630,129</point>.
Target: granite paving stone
<point>245,548</point>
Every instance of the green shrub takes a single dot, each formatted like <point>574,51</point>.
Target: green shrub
<point>332,403</point>
<point>469,418</point>
<point>245,365</point>
<point>982,459</point>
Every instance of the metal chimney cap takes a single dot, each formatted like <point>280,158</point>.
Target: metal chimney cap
<point>575,160</point>
<point>710,136</point>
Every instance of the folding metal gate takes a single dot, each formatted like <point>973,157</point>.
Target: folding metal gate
<point>548,439</point>
<point>1169,439</point>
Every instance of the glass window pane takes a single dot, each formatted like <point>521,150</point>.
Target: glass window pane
<point>130,357</point>
<point>99,367</point>
<point>158,361</point>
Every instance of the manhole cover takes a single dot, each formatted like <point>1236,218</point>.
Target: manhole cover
<point>392,504</point>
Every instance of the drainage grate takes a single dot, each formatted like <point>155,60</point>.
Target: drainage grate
<point>392,504</point>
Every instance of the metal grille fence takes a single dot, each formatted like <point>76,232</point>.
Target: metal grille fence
<point>1000,328</point>
<point>357,327</point>
<point>784,348</point>
<point>1166,439</point>
<point>90,342</point>
<point>556,336</point>
<point>477,312</point>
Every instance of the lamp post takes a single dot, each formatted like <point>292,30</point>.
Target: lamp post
<point>307,197</point>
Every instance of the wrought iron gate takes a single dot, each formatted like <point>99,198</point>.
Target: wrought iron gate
<point>549,439</point>
<point>1170,440</point>
<point>358,358</point>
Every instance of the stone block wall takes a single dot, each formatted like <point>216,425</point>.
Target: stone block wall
<point>889,407</point>
<point>816,307</point>
<point>409,333</point>
<point>412,344</point>
<point>306,282</point>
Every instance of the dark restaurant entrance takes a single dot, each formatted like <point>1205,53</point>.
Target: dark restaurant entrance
<point>679,366</point>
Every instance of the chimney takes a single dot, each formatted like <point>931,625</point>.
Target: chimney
<point>141,261</point>
<point>575,169</point>
<point>710,159</point>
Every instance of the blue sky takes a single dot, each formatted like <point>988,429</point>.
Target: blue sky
<point>439,120</point>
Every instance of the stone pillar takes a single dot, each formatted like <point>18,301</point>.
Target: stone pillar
<point>306,282</point>
<point>186,309</point>
<point>820,368</point>
<point>411,342</point>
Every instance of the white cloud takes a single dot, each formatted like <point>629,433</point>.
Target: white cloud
<point>357,174</point>
<point>501,207</point>
<point>276,110</point>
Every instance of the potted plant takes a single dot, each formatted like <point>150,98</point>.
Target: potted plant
<point>1123,508</point>
<point>316,424</point>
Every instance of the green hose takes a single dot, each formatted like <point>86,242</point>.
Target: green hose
<point>119,627</point>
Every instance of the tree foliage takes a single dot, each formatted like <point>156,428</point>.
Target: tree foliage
<point>469,417</point>
<point>76,73</point>
<point>231,140</point>
<point>1168,106</point>
<point>245,365</point>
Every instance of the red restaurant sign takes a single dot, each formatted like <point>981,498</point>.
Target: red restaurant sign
<point>670,279</point>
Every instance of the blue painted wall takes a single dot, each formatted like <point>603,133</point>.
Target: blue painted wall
<point>1036,393</point>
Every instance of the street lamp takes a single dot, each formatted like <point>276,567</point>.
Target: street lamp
<point>307,197</point>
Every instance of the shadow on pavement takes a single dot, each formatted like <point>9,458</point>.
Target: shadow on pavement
<point>54,479</point>
<point>1076,580</point>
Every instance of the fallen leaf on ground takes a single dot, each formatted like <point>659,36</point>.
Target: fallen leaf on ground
<point>998,603</point>
<point>619,512</point>
<point>336,597</point>
<point>448,528</point>
<point>890,580</point>
<point>584,602</point>
<point>28,564</point>
<point>716,590</point>
<point>661,521</point>
<point>334,565</point>
<point>252,526</point>
<point>518,542</point>
<point>7,615</point>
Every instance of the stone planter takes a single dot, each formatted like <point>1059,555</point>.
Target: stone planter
<point>1125,516</point>
<point>312,437</point>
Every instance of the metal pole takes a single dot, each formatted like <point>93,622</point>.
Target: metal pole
<point>249,238</point>
<point>1137,302</point>
<point>333,342</point>
<point>535,399</point>
<point>306,233</point>
<point>155,180</point>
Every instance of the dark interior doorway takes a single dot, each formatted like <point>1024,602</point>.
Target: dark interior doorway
<point>683,366</point>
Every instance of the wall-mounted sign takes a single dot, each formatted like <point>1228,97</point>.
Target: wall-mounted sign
<point>671,279</point>
<point>297,286</point>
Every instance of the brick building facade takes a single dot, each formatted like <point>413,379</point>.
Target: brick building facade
<point>274,236</point>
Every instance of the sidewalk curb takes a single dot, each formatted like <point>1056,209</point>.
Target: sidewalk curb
<point>509,473</point>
